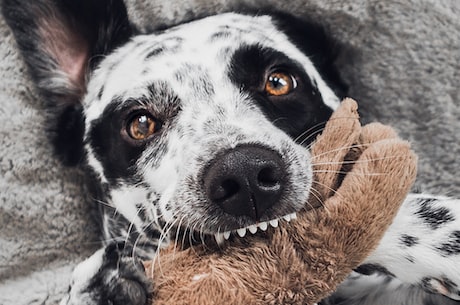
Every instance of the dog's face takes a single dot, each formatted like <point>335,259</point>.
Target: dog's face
<point>202,126</point>
<point>198,123</point>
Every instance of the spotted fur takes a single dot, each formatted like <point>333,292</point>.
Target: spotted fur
<point>203,83</point>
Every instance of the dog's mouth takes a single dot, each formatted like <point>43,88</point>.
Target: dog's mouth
<point>221,237</point>
<point>186,237</point>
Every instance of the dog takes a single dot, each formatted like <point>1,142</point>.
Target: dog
<point>197,133</point>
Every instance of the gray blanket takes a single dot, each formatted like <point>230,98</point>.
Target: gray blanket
<point>401,60</point>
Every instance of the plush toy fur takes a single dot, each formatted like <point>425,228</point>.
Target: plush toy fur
<point>302,261</point>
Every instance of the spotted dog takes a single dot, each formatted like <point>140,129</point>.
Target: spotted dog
<point>198,133</point>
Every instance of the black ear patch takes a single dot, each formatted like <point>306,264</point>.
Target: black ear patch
<point>67,135</point>
<point>61,41</point>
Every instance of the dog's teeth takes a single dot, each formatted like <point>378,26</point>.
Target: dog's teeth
<point>241,232</point>
<point>263,226</point>
<point>252,229</point>
<point>219,238</point>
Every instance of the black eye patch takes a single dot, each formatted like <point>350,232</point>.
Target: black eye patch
<point>107,134</point>
<point>301,112</point>
<point>118,158</point>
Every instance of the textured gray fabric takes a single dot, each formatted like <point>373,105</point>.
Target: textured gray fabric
<point>401,60</point>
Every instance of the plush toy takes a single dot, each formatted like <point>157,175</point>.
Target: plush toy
<point>362,175</point>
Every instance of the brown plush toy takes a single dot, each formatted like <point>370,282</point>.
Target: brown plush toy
<point>302,261</point>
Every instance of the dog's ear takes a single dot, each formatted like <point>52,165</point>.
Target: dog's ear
<point>61,41</point>
<point>312,39</point>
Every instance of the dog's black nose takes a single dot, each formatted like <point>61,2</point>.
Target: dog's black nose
<point>247,180</point>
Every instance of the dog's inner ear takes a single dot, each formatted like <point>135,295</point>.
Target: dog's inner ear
<point>68,49</point>
<point>61,41</point>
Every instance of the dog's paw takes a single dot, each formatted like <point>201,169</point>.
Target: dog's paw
<point>109,278</point>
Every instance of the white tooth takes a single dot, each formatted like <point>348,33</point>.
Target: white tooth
<point>226,235</point>
<point>293,216</point>
<point>263,226</point>
<point>241,232</point>
<point>287,217</point>
<point>219,238</point>
<point>274,223</point>
<point>252,229</point>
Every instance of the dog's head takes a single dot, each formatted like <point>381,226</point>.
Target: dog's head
<point>203,125</point>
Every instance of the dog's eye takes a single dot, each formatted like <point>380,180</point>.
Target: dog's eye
<point>142,126</point>
<point>280,83</point>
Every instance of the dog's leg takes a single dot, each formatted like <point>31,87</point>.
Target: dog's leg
<point>109,277</point>
<point>379,289</point>
<point>422,246</point>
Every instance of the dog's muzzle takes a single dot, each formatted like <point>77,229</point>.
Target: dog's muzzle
<point>246,181</point>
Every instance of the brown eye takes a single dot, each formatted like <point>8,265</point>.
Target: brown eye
<point>142,126</point>
<point>280,83</point>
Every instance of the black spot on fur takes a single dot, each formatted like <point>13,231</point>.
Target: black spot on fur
<point>452,246</point>
<point>142,212</point>
<point>155,52</point>
<point>369,269</point>
<point>410,259</point>
<point>100,92</point>
<point>225,52</point>
<point>408,240</point>
<point>300,112</point>
<point>197,78</point>
<point>220,35</point>
<point>432,215</point>
<point>152,232</point>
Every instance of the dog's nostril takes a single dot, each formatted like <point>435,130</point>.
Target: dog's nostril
<point>269,177</point>
<point>225,190</point>
<point>246,181</point>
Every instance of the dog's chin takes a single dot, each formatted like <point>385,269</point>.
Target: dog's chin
<point>186,238</point>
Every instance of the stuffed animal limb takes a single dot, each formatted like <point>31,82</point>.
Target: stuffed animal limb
<point>302,261</point>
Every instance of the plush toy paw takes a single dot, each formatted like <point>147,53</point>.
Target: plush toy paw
<point>362,175</point>
<point>109,278</point>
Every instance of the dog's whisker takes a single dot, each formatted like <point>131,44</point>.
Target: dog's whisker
<point>128,234</point>
<point>309,133</point>
<point>167,228</point>
<point>315,130</point>
<point>166,231</point>
<point>104,203</point>
<point>279,119</point>
<point>176,239</point>
<point>339,149</point>
<point>353,162</point>
<point>348,173</point>
<point>327,187</point>
<point>315,193</point>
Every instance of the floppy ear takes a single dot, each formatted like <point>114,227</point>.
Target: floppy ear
<point>312,39</point>
<point>61,41</point>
